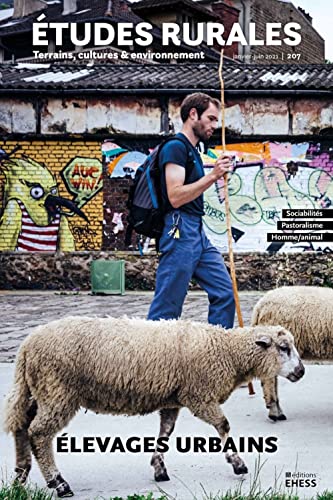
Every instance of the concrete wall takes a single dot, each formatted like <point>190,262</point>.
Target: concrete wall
<point>266,116</point>
<point>270,116</point>
<point>17,116</point>
<point>54,116</point>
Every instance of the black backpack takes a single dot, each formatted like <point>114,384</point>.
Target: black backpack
<point>145,205</point>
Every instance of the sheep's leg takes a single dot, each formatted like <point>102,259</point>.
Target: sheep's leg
<point>23,455</point>
<point>270,390</point>
<point>212,414</point>
<point>23,448</point>
<point>50,420</point>
<point>167,425</point>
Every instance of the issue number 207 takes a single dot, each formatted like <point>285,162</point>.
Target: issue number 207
<point>297,57</point>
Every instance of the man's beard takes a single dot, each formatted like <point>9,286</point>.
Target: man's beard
<point>199,132</point>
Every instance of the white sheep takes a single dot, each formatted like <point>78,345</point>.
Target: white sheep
<point>133,366</point>
<point>307,311</point>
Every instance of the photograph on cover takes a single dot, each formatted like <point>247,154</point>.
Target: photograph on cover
<point>166,249</point>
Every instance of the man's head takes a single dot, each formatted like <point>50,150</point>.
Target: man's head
<point>201,113</point>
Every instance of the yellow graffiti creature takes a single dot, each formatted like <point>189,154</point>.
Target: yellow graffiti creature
<point>32,218</point>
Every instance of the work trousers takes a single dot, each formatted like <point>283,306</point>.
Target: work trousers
<point>190,255</point>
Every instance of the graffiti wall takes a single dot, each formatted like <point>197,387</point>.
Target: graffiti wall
<point>267,177</point>
<point>50,196</point>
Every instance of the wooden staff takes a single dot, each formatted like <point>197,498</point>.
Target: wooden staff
<point>227,210</point>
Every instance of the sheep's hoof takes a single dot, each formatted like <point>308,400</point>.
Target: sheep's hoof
<point>237,464</point>
<point>64,491</point>
<point>61,486</point>
<point>64,495</point>
<point>241,469</point>
<point>21,475</point>
<point>275,418</point>
<point>162,477</point>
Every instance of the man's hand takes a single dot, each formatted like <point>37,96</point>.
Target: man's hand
<point>222,166</point>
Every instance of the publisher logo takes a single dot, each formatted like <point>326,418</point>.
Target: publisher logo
<point>301,480</point>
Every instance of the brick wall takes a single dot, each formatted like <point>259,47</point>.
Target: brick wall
<point>115,198</point>
<point>311,47</point>
<point>228,15</point>
<point>81,162</point>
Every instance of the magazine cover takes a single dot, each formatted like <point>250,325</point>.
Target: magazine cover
<point>172,162</point>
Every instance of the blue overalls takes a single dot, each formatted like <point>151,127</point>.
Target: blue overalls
<point>190,255</point>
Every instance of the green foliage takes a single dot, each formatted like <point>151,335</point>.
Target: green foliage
<point>272,496</point>
<point>4,5</point>
<point>149,496</point>
<point>259,496</point>
<point>17,491</point>
<point>327,495</point>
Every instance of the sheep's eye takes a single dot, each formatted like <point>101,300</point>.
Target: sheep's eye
<point>37,192</point>
<point>284,348</point>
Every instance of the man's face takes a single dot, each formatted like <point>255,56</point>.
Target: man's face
<point>205,126</point>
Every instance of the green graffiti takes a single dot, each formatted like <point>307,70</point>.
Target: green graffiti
<point>83,178</point>
<point>273,192</point>
<point>243,208</point>
<point>320,187</point>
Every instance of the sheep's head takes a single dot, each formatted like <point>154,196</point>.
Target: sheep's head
<point>282,354</point>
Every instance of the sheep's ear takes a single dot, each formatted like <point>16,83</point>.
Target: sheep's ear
<point>264,341</point>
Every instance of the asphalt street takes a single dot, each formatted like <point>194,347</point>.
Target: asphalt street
<point>304,441</point>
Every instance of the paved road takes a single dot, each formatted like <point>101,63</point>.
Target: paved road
<point>305,444</point>
<point>20,312</point>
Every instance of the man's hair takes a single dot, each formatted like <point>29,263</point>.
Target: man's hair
<point>199,101</point>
